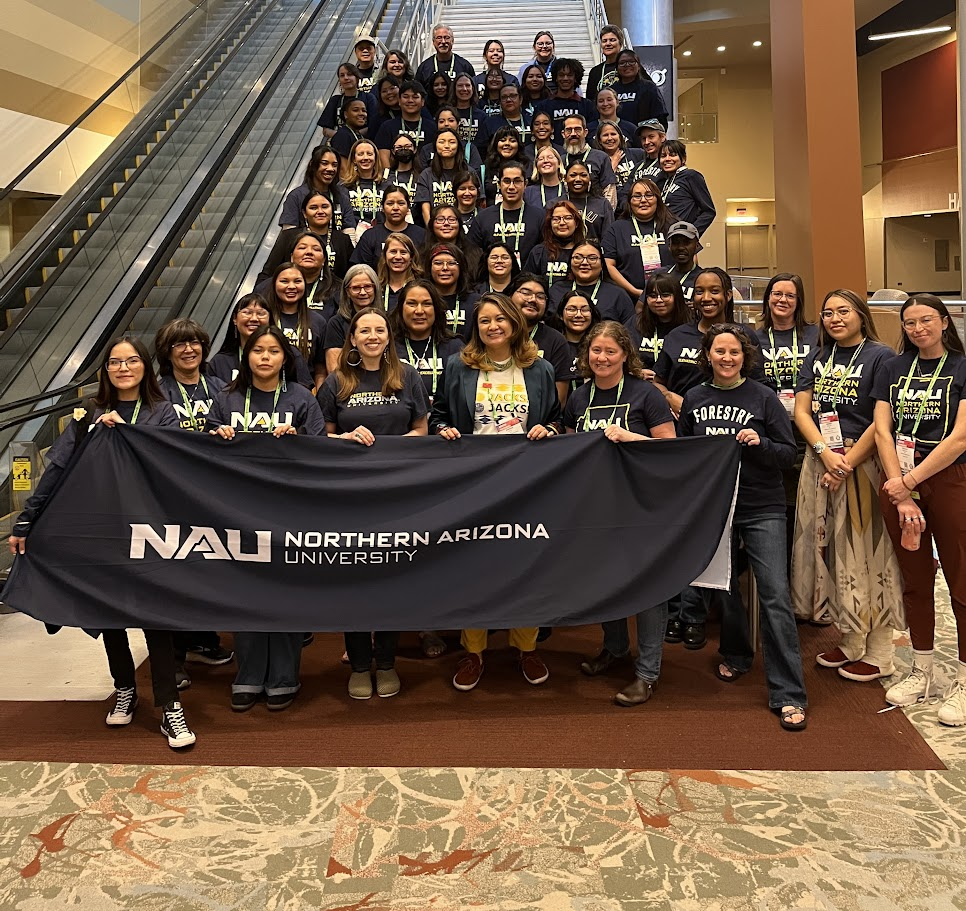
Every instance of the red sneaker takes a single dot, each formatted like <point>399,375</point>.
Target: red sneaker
<point>534,670</point>
<point>468,672</point>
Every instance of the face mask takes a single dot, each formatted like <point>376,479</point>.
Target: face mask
<point>404,156</point>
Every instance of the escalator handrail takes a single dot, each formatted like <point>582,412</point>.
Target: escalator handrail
<point>37,242</point>
<point>131,289</point>
<point>7,190</point>
<point>38,299</point>
<point>8,407</point>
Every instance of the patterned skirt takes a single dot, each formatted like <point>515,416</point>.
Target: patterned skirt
<point>843,562</point>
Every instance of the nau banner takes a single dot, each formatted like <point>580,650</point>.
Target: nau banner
<point>153,528</point>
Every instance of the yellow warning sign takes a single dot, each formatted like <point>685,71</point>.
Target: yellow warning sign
<point>21,473</point>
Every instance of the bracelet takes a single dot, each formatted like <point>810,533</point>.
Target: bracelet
<point>914,482</point>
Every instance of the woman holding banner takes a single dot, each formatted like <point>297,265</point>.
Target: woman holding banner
<point>265,398</point>
<point>127,393</point>
<point>627,408</point>
<point>372,393</point>
<point>730,403</point>
<point>513,392</point>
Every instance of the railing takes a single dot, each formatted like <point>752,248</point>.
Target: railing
<point>129,94</point>
<point>596,20</point>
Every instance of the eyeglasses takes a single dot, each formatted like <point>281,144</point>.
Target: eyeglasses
<point>561,218</point>
<point>841,312</point>
<point>512,181</point>
<point>116,363</point>
<point>784,295</point>
<point>361,289</point>
<point>925,322</point>
<point>531,295</point>
<point>580,258</point>
<point>544,45</point>
<point>182,346</point>
<point>499,257</point>
<point>572,131</point>
<point>445,263</point>
<point>576,311</point>
<point>252,312</point>
<point>627,63</point>
<point>445,219</point>
<point>660,295</point>
<point>643,197</point>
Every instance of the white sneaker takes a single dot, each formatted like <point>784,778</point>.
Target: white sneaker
<point>919,685</point>
<point>174,725</point>
<point>953,710</point>
<point>125,702</point>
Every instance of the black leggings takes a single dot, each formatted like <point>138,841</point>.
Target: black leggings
<point>160,658</point>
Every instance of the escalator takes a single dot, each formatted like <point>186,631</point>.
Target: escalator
<point>174,216</point>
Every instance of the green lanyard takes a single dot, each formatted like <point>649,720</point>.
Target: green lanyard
<point>137,410</point>
<point>248,403</point>
<point>831,365</point>
<point>187,402</point>
<point>431,350</point>
<point>905,389</point>
<point>593,294</point>
<point>617,401</point>
<point>637,229</point>
<point>772,370</point>
<point>451,72</point>
<point>456,315</point>
<point>519,221</point>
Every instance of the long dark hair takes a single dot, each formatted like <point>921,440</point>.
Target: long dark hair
<point>796,280</point>
<point>440,331</point>
<point>484,274</point>
<point>860,306</point>
<point>550,243</point>
<point>318,153</point>
<point>556,321</point>
<point>377,92</point>
<point>493,158</point>
<point>469,251</point>
<point>436,166</point>
<point>327,285</point>
<point>951,339</point>
<point>390,367</point>
<point>463,282</point>
<point>232,341</point>
<point>662,283</point>
<point>179,330</point>
<point>663,219</point>
<point>545,92</point>
<point>243,382</point>
<point>302,327</point>
<point>432,102</point>
<point>148,390</point>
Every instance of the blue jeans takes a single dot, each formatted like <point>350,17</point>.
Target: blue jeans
<point>651,626</point>
<point>765,546</point>
<point>267,662</point>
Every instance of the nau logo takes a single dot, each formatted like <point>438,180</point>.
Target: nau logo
<point>689,355</point>
<point>173,544</point>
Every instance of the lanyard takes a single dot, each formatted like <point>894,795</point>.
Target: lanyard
<point>772,370</point>
<point>905,390</point>
<point>593,294</point>
<point>410,184</point>
<point>248,403</point>
<point>831,364</point>
<point>456,315</point>
<point>637,230</point>
<point>137,408</point>
<point>431,350</point>
<point>451,72</point>
<point>670,186</point>
<point>613,414</point>
<point>519,221</point>
<point>359,203</point>
<point>686,276</point>
<point>521,128</point>
<point>188,401</point>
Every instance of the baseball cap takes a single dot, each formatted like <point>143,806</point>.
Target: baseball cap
<point>682,227</point>
<point>362,39</point>
<point>652,124</point>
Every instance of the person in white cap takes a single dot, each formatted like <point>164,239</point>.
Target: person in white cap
<point>365,51</point>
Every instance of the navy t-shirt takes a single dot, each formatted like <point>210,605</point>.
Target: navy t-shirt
<point>640,407</point>
<point>783,351</point>
<point>316,334</point>
<point>938,411</point>
<point>521,229</point>
<point>295,406</point>
<point>428,359</point>
<point>540,263</point>
<point>191,414</point>
<point>373,242</point>
<point>384,415</point>
<point>612,301</point>
<point>622,243</point>
<point>649,346</point>
<point>837,386</point>
<point>708,411</point>
<point>677,364</point>
<point>552,347</point>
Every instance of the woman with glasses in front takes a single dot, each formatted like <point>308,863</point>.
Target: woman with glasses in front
<point>844,567</point>
<point>127,393</point>
<point>563,232</point>
<point>920,429</point>
<point>446,227</point>
<point>664,308</point>
<point>360,288</point>
<point>730,402</point>
<point>589,276</point>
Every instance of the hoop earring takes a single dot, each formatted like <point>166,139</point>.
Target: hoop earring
<point>385,354</point>
<point>358,362</point>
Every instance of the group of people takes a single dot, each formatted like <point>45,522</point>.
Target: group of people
<point>541,314</point>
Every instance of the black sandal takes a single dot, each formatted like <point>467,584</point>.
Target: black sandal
<point>732,674</point>
<point>785,715</point>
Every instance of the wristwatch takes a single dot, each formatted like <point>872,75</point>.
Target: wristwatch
<point>819,447</point>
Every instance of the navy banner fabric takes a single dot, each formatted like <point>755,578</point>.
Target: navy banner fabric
<point>154,528</point>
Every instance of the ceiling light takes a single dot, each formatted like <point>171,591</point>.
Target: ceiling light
<point>742,220</point>
<point>756,44</point>
<point>721,47</point>
<point>911,33</point>
<point>686,54</point>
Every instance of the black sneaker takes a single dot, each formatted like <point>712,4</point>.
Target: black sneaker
<point>175,727</point>
<point>242,702</point>
<point>208,655</point>
<point>674,632</point>
<point>181,677</point>
<point>694,636</point>
<point>280,701</point>
<point>125,702</point>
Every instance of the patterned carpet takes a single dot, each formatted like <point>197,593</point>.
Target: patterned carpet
<point>113,838</point>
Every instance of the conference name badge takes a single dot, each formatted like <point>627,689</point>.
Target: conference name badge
<point>787,398</point>
<point>650,253</point>
<point>906,451</point>
<point>831,429</point>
